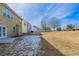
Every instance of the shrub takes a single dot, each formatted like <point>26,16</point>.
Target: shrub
<point>70,27</point>
<point>59,29</point>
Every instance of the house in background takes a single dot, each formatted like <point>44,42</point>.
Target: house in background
<point>26,27</point>
<point>10,22</point>
<point>35,29</point>
<point>29,27</point>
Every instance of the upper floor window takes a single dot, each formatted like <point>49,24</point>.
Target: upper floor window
<point>7,13</point>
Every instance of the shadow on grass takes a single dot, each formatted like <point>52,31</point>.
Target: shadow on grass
<point>48,49</point>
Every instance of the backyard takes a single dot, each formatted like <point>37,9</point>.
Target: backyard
<point>59,43</point>
<point>67,42</point>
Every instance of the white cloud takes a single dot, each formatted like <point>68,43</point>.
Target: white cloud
<point>60,10</point>
<point>30,10</point>
<point>20,8</point>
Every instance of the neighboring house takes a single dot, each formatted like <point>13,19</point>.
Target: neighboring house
<point>29,27</point>
<point>26,27</point>
<point>35,29</point>
<point>10,22</point>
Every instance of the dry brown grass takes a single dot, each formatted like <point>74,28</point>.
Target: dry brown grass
<point>67,42</point>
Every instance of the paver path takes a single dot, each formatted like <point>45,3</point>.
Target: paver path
<point>30,45</point>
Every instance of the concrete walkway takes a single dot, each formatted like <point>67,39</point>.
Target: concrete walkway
<point>7,40</point>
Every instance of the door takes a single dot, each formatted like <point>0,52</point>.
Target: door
<point>17,29</point>
<point>3,31</point>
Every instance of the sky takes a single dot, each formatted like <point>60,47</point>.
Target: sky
<point>68,13</point>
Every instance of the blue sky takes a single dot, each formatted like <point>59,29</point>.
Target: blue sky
<point>33,13</point>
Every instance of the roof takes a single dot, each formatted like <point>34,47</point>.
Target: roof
<point>5,5</point>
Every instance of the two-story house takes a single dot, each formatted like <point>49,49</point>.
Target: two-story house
<point>10,22</point>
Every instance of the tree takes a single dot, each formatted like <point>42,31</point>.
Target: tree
<point>44,24</point>
<point>48,29</point>
<point>54,23</point>
<point>59,29</point>
<point>70,27</point>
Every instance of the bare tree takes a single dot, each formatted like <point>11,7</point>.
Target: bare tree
<point>54,23</point>
<point>44,24</point>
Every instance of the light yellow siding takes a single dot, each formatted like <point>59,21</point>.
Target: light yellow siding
<point>10,23</point>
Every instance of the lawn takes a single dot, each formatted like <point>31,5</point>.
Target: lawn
<point>67,42</point>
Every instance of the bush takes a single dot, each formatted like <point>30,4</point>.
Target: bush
<point>70,27</point>
<point>59,29</point>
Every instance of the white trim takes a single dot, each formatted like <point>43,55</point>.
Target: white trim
<point>2,31</point>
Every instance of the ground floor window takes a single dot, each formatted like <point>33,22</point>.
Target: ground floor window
<point>3,31</point>
<point>0,31</point>
<point>14,29</point>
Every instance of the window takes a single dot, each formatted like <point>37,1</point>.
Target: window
<point>14,29</point>
<point>4,14</point>
<point>4,31</point>
<point>0,31</point>
<point>7,14</point>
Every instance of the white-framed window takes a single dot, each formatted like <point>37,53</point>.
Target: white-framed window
<point>3,31</point>
<point>7,14</point>
<point>0,31</point>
